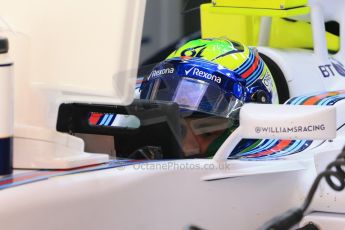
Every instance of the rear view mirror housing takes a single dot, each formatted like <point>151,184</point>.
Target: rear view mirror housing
<point>289,122</point>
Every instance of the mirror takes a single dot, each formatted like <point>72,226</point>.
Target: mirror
<point>114,120</point>
<point>288,122</point>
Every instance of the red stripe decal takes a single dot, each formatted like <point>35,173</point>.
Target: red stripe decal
<point>280,146</point>
<point>28,177</point>
<point>94,118</point>
<point>315,99</point>
<point>252,68</point>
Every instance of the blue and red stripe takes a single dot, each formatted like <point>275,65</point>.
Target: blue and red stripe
<point>273,149</point>
<point>251,69</point>
<point>39,175</point>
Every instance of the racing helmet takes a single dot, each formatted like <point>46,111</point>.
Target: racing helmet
<point>212,77</point>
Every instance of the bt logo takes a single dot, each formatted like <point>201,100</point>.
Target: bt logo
<point>328,70</point>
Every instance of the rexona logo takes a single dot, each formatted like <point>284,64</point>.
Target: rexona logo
<point>199,73</point>
<point>156,73</point>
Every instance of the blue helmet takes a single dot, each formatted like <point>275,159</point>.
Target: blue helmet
<point>211,77</point>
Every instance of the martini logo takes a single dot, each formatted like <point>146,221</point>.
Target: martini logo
<point>199,73</point>
<point>157,73</point>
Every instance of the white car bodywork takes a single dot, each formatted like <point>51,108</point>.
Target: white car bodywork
<point>168,194</point>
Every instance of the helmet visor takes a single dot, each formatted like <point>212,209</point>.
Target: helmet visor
<point>195,95</point>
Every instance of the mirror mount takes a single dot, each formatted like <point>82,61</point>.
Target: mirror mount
<point>228,146</point>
